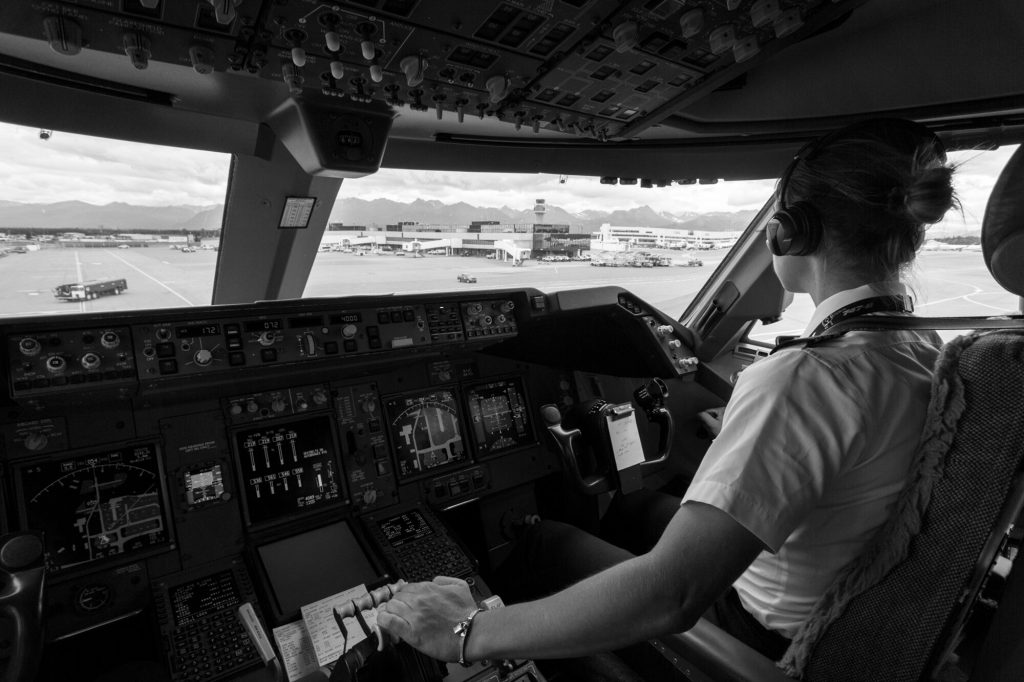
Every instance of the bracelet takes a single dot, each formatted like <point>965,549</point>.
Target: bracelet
<point>462,630</point>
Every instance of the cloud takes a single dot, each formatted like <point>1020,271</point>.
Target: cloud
<point>100,171</point>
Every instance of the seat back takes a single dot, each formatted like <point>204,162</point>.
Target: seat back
<point>893,612</point>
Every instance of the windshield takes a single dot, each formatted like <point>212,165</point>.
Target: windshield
<point>92,224</point>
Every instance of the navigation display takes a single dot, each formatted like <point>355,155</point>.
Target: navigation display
<point>498,417</point>
<point>425,431</point>
<point>288,468</point>
<point>96,506</point>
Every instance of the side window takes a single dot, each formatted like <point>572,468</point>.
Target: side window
<point>949,277</point>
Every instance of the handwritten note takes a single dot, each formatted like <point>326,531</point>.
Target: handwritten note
<point>329,642</point>
<point>296,650</point>
<point>625,440</point>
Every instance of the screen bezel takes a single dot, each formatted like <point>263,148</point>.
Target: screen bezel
<point>273,600</point>
<point>286,517</point>
<point>531,439</point>
<point>91,565</point>
<point>460,418</point>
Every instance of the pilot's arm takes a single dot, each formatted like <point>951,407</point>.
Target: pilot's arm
<point>702,551</point>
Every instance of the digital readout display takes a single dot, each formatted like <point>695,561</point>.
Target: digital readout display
<point>498,416</point>
<point>288,468</point>
<point>425,431</point>
<point>405,527</point>
<point>203,597</point>
<point>193,331</point>
<point>96,506</point>
<point>262,325</point>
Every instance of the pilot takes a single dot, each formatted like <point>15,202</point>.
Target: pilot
<point>814,445</point>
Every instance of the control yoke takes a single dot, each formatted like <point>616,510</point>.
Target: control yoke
<point>613,468</point>
<point>22,574</point>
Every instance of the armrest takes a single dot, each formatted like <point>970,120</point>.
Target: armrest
<point>720,656</point>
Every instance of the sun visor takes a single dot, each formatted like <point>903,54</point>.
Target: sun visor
<point>330,139</point>
<point>1002,232</point>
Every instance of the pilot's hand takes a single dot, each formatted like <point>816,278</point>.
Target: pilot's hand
<point>712,419</point>
<point>425,614</point>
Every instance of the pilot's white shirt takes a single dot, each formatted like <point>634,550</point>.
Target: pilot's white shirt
<point>816,444</point>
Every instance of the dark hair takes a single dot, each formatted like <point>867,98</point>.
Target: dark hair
<point>875,187</point>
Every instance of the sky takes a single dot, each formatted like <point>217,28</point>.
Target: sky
<point>70,167</point>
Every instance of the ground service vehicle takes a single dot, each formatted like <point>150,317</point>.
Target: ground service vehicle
<point>80,291</point>
<point>252,445</point>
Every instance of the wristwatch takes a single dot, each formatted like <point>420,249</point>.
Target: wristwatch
<point>462,629</point>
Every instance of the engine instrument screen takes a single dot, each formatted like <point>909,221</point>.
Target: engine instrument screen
<point>96,506</point>
<point>498,416</point>
<point>288,468</point>
<point>425,431</point>
<point>203,597</point>
<point>404,528</point>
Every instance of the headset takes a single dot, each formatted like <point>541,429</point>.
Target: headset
<point>796,230</point>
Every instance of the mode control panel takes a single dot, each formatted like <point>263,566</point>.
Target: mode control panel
<point>45,362</point>
<point>465,483</point>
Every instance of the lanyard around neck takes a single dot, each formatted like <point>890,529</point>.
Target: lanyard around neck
<point>865,306</point>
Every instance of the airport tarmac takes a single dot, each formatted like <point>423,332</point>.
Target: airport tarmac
<point>946,283</point>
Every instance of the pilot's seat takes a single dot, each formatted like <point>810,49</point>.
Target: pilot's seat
<point>896,612</point>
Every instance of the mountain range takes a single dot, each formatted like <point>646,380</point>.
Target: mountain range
<point>121,217</point>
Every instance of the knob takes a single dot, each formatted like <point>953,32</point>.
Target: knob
<point>664,329</point>
<point>163,334</point>
<point>235,409</point>
<point>376,72</point>
<point>675,344</point>
<point>90,361</point>
<point>337,70</point>
<point>201,57</point>
<point>277,405</point>
<point>299,56</point>
<point>301,404</point>
<point>251,406</point>
<point>460,108</point>
<point>722,39</point>
<point>369,406</point>
<point>110,340</point>
<point>136,46</point>
<point>56,363</point>
<point>508,306</point>
<point>63,34</point>
<point>29,346</point>
<point>367,49</point>
<point>625,36</point>
<point>691,22</point>
<point>333,41</point>
<point>788,22</point>
<point>349,331</point>
<point>745,48</point>
<point>764,11</point>
<point>266,339</point>
<point>519,118</point>
<point>413,68</point>
<point>497,88</point>
<point>224,10</point>
<point>203,357</point>
<point>370,496</point>
<point>319,397</point>
<point>35,441</point>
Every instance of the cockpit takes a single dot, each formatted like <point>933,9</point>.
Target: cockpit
<point>302,299</point>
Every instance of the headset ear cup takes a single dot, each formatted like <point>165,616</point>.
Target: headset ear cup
<point>799,230</point>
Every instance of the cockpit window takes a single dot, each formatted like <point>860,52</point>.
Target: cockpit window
<point>949,277</point>
<point>90,224</point>
<point>414,231</point>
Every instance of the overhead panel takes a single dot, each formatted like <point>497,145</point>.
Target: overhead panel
<point>598,69</point>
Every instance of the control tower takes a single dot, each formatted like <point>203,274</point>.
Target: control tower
<point>539,209</point>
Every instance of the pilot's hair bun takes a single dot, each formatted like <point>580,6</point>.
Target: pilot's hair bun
<point>930,194</point>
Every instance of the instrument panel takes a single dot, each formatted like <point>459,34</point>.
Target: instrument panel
<point>171,455</point>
